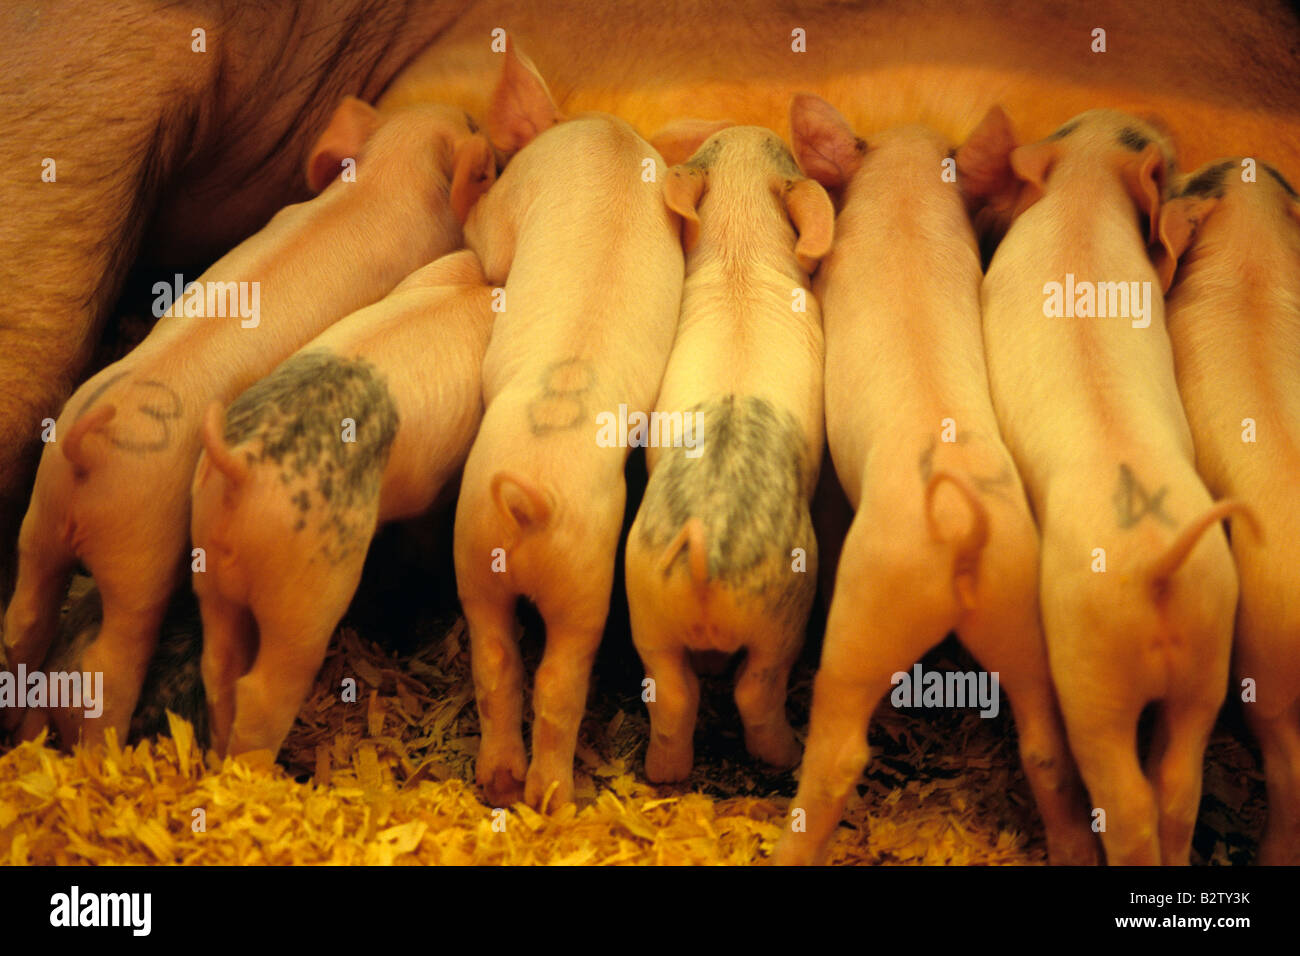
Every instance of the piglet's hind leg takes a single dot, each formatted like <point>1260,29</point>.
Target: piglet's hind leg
<point>229,637</point>
<point>1006,639</point>
<point>671,750</point>
<point>761,684</point>
<point>1279,739</point>
<point>121,653</point>
<point>291,649</point>
<point>559,701</point>
<point>1104,741</point>
<point>499,692</point>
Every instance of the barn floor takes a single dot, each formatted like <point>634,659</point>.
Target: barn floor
<point>388,779</point>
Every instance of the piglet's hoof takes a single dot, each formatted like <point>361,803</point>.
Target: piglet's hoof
<point>782,750</point>
<point>794,849</point>
<point>259,759</point>
<point>1278,852</point>
<point>1074,849</point>
<point>547,792</point>
<point>500,785</point>
<point>663,765</point>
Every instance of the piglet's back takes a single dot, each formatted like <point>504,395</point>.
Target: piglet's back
<point>594,262</point>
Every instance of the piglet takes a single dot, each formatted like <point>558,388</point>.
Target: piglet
<point>942,538</point>
<point>112,489</point>
<point>1234,320</point>
<point>594,266</point>
<point>721,556</point>
<point>1137,587</point>
<point>366,424</point>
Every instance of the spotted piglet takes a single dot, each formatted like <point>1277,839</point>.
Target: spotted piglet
<point>721,557</point>
<point>942,539</point>
<point>366,424</point>
<point>1234,320</point>
<point>1138,589</point>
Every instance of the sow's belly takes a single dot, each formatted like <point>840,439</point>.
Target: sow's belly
<point>1224,78</point>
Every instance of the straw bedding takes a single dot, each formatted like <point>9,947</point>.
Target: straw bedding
<point>389,780</point>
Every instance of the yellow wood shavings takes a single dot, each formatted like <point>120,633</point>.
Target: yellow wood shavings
<point>388,780</point>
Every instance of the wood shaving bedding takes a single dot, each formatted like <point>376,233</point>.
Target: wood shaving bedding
<point>389,780</point>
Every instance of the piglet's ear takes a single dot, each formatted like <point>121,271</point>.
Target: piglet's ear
<point>1144,177</point>
<point>1176,228</point>
<point>984,163</point>
<point>351,125</point>
<point>474,169</point>
<point>678,141</point>
<point>522,107</point>
<point>683,190</point>
<point>1032,165</point>
<point>825,146</point>
<point>813,215</point>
